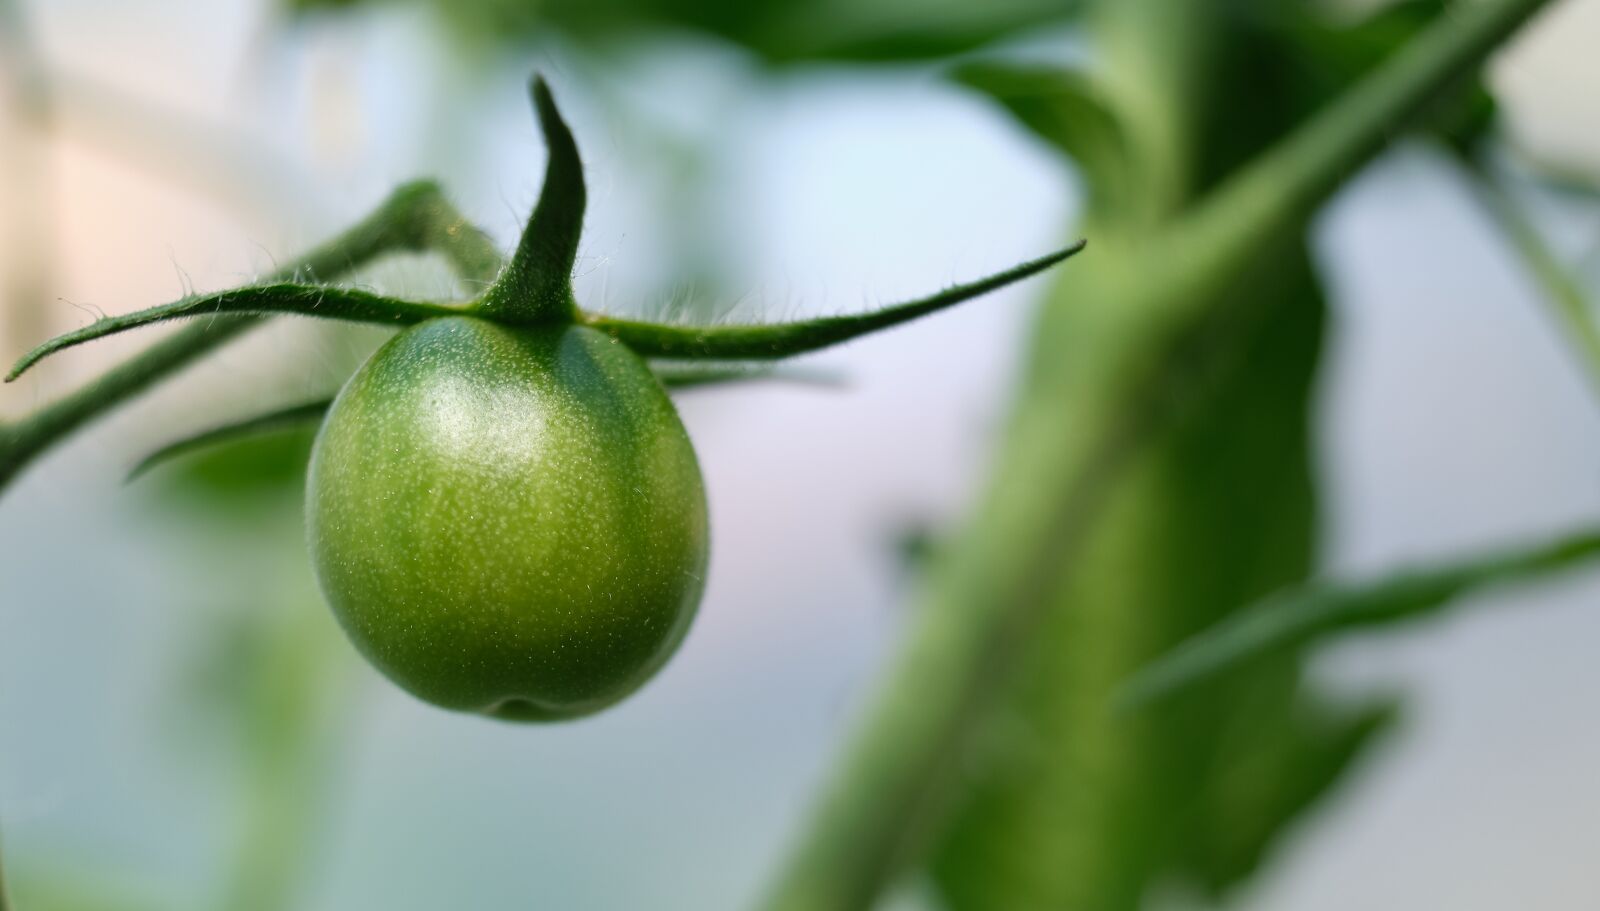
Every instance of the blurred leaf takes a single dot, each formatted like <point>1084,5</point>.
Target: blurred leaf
<point>1066,110</point>
<point>58,885</point>
<point>292,717</point>
<point>214,685</point>
<point>292,419</point>
<point>1581,186</point>
<point>1266,64</point>
<point>1258,786</point>
<point>916,545</point>
<point>1302,617</point>
<point>261,466</point>
<point>779,31</point>
<point>1335,55</point>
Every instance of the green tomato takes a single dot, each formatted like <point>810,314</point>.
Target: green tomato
<point>508,520</point>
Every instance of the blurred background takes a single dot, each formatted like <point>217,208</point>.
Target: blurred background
<point>183,726</point>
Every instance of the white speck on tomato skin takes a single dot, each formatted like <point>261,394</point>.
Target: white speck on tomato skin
<point>508,519</point>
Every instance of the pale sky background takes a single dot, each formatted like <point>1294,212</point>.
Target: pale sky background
<point>1453,420</point>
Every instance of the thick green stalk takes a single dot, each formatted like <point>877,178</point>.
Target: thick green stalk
<point>415,218</point>
<point>987,601</point>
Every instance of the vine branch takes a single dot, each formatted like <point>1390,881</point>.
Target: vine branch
<point>415,218</point>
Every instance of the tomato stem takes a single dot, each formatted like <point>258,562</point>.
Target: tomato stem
<point>415,218</point>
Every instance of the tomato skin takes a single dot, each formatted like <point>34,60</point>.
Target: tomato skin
<point>508,520</point>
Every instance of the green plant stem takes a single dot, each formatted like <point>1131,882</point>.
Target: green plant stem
<point>415,218</point>
<point>256,300</point>
<point>781,340</point>
<point>895,785</point>
<point>1294,618</point>
<point>1568,303</point>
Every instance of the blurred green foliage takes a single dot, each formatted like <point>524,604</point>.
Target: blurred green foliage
<point>1288,620</point>
<point>1066,803</point>
<point>65,887</point>
<point>268,673</point>
<point>778,31</point>
<point>1075,805</point>
<point>269,466</point>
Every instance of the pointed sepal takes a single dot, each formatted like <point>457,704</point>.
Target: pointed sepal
<point>771,341</point>
<point>536,287</point>
<point>349,304</point>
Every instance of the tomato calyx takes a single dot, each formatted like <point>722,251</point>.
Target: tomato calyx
<point>534,289</point>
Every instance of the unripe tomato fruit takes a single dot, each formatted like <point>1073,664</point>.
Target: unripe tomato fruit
<point>508,520</point>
